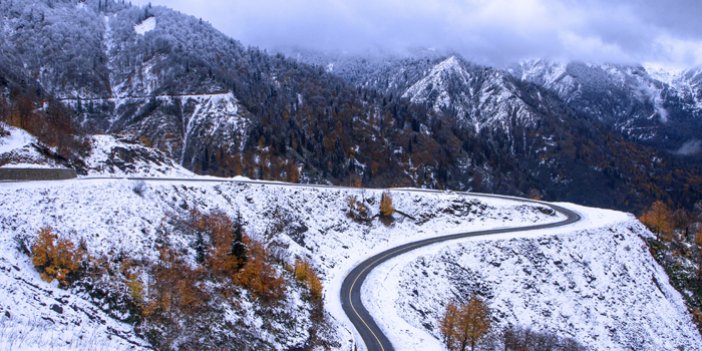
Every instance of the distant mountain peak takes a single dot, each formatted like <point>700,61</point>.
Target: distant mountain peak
<point>438,80</point>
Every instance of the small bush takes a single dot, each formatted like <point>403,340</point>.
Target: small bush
<point>259,276</point>
<point>56,258</point>
<point>139,188</point>
<point>386,207</point>
<point>304,273</point>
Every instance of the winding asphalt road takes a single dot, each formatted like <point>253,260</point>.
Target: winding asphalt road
<point>351,301</point>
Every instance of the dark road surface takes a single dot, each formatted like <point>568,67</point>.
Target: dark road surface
<point>351,301</point>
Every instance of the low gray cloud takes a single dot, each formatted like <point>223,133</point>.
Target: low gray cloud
<point>488,31</point>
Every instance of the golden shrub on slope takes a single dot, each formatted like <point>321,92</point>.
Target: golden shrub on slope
<point>56,258</point>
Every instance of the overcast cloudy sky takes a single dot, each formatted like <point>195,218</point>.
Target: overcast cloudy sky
<point>488,31</point>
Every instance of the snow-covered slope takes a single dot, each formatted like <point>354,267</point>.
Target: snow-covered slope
<point>647,103</point>
<point>38,316</point>
<point>127,217</point>
<point>481,97</point>
<point>120,216</point>
<point>110,156</point>
<point>19,148</point>
<point>594,282</point>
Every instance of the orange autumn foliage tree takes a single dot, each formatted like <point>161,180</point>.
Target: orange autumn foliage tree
<point>56,258</point>
<point>658,218</point>
<point>463,326</point>
<point>176,287</point>
<point>233,255</point>
<point>220,257</point>
<point>304,273</point>
<point>386,207</point>
<point>258,275</point>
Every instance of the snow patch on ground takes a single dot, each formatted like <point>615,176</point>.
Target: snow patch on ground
<point>145,26</point>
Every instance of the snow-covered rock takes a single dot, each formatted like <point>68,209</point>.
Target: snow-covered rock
<point>110,156</point>
<point>18,148</point>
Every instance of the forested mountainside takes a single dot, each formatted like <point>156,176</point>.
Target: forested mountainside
<point>649,105</point>
<point>217,107</point>
<point>662,111</point>
<point>583,145</point>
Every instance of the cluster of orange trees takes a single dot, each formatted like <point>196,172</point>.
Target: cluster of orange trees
<point>164,296</point>
<point>229,255</point>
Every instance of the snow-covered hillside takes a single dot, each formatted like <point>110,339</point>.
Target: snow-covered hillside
<point>482,97</point>
<point>126,217</point>
<point>594,282</point>
<point>647,103</point>
<point>113,157</point>
<point>19,148</point>
<point>130,218</point>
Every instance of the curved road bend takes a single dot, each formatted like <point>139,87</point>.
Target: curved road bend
<point>351,301</point>
<point>372,335</point>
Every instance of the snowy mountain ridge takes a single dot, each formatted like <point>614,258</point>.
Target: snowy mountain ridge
<point>650,104</point>
<point>480,97</point>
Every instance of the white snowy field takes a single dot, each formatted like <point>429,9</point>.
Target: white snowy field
<point>593,281</point>
<point>123,217</point>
